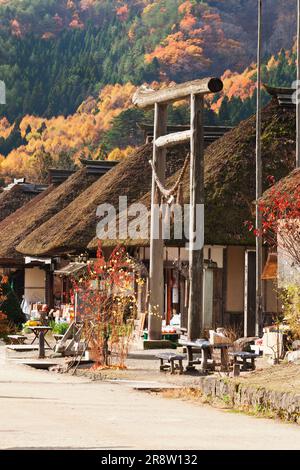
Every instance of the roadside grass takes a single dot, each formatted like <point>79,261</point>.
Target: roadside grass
<point>225,404</point>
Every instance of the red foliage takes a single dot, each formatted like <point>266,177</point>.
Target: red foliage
<point>280,212</point>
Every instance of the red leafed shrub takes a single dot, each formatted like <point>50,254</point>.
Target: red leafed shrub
<point>107,306</point>
<point>280,211</point>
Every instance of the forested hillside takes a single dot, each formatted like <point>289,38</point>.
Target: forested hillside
<point>75,63</point>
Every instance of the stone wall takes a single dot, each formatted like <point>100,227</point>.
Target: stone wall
<point>238,395</point>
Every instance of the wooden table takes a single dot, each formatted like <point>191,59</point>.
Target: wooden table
<point>39,334</point>
<point>205,347</point>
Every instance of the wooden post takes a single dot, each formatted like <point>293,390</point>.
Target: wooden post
<point>156,271</point>
<point>298,86</point>
<point>41,345</point>
<point>195,315</point>
<point>259,242</point>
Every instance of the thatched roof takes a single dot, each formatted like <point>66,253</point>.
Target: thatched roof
<point>289,185</point>
<point>13,199</point>
<point>15,228</point>
<point>230,175</point>
<point>73,228</point>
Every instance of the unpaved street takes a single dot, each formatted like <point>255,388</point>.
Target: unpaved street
<point>41,410</point>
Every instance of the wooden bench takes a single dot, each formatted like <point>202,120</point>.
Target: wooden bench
<point>245,359</point>
<point>17,339</point>
<point>171,362</point>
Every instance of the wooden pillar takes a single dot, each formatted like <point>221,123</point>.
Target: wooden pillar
<point>49,287</point>
<point>297,89</point>
<point>156,272</point>
<point>195,315</point>
<point>259,240</point>
<point>41,345</point>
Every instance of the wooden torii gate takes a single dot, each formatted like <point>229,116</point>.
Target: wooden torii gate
<point>147,98</point>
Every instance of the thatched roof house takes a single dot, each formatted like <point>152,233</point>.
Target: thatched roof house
<point>230,175</point>
<point>25,220</point>
<point>72,229</point>
<point>15,197</point>
<point>229,182</point>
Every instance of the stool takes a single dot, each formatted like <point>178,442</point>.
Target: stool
<point>171,362</point>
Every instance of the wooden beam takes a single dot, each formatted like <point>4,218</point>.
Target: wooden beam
<point>156,271</point>
<point>147,97</point>
<point>171,140</point>
<point>195,315</point>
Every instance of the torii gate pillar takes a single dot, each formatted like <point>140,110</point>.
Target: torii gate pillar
<point>156,272</point>
<point>145,98</point>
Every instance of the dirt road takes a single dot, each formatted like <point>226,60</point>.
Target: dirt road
<point>40,410</point>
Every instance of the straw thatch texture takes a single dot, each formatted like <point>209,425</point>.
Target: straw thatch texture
<point>12,200</point>
<point>74,227</point>
<point>25,220</point>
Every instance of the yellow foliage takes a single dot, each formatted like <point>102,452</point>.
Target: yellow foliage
<point>117,154</point>
<point>5,128</point>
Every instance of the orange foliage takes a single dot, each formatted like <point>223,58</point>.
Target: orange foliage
<point>75,135</point>
<point>177,53</point>
<point>76,23</point>
<point>122,12</point>
<point>193,41</point>
<point>237,85</point>
<point>188,22</point>
<point>185,7</point>
<point>16,28</point>
<point>48,35</point>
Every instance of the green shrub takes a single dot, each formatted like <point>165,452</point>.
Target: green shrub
<point>59,328</point>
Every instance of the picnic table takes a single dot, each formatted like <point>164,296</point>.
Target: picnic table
<point>205,348</point>
<point>39,335</point>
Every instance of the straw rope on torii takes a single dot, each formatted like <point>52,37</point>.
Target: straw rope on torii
<point>168,195</point>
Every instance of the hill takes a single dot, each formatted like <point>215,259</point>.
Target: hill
<point>71,66</point>
<point>54,53</point>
